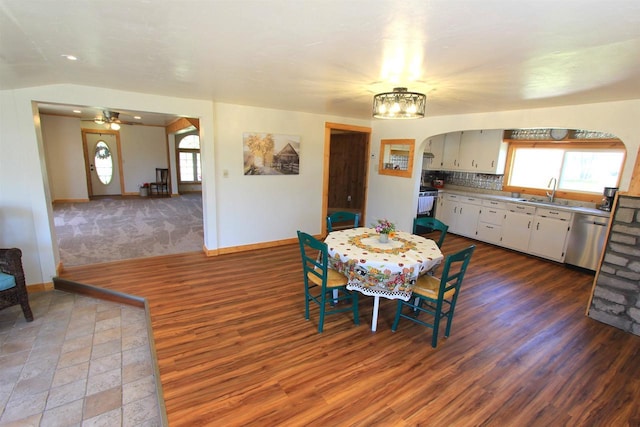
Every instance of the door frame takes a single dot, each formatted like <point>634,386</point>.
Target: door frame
<point>328,127</point>
<point>87,158</point>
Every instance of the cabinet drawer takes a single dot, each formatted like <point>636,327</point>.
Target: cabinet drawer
<point>493,204</point>
<point>553,213</point>
<point>470,200</point>
<point>492,215</point>
<point>515,207</point>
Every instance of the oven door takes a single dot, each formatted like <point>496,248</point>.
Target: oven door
<point>427,204</point>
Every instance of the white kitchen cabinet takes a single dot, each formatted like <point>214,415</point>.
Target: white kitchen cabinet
<point>490,221</point>
<point>461,214</point>
<point>435,146</point>
<point>468,214</point>
<point>482,151</point>
<point>447,210</point>
<point>516,227</point>
<point>549,233</point>
<point>451,160</point>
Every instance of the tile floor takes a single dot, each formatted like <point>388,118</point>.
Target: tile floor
<point>81,362</point>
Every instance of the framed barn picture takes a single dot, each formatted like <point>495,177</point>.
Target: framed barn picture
<point>271,154</point>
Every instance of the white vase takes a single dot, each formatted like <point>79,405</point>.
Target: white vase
<point>384,237</point>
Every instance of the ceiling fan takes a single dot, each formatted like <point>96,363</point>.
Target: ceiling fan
<point>112,120</point>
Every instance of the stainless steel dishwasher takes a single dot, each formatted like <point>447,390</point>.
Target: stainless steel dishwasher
<point>586,241</point>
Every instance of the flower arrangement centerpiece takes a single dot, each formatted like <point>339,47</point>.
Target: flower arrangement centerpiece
<point>385,228</point>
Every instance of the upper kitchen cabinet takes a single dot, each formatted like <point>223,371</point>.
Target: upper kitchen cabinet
<point>451,154</point>
<point>480,151</point>
<point>434,153</point>
<point>483,151</point>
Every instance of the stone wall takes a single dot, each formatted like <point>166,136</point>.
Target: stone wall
<point>616,296</point>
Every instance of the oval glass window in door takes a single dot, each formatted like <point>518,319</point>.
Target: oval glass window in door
<point>103,162</point>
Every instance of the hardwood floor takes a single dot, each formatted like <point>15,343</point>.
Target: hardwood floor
<point>234,349</point>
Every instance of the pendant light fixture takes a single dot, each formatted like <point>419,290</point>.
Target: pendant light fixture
<point>399,104</point>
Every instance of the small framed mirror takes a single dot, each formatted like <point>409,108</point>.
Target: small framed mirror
<point>396,157</point>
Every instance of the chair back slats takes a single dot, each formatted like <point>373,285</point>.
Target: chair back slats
<point>345,219</point>
<point>432,224</point>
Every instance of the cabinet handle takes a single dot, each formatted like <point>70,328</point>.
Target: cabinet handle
<point>538,226</point>
<point>493,163</point>
<point>529,225</point>
<point>493,211</point>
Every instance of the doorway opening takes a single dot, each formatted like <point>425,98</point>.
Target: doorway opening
<point>346,166</point>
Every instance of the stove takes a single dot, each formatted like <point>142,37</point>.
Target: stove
<point>427,201</point>
<point>427,191</point>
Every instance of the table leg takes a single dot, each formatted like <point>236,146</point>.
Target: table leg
<point>374,320</point>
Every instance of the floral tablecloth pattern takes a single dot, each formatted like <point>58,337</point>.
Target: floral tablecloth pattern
<point>381,269</point>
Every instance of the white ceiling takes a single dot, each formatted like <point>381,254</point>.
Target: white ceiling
<point>331,56</point>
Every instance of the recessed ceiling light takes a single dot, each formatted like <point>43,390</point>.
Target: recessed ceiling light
<point>70,57</point>
<point>77,111</point>
<point>137,117</point>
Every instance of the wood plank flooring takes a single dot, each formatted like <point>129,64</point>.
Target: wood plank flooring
<point>234,349</point>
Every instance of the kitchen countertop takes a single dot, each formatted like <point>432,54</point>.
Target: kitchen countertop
<point>521,200</point>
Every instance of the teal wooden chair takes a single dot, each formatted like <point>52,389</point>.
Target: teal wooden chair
<point>433,225</point>
<point>342,220</point>
<point>320,281</point>
<point>436,297</point>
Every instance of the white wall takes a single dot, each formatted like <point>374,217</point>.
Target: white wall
<point>396,198</point>
<point>261,208</point>
<point>240,209</point>
<point>143,148</point>
<point>62,141</point>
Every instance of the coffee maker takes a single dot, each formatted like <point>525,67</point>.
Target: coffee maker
<point>607,200</point>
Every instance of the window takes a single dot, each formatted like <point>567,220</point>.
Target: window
<point>581,168</point>
<point>189,159</point>
<point>103,162</point>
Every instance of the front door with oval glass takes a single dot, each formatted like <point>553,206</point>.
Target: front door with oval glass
<point>102,155</point>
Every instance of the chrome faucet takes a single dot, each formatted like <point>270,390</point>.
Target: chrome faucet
<point>552,195</point>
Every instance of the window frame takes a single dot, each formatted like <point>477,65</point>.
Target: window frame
<point>194,152</point>
<point>611,144</point>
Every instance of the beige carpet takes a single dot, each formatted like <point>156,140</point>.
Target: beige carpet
<point>114,229</point>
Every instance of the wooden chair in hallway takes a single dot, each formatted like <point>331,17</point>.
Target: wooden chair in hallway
<point>161,185</point>
<point>340,220</point>
<point>13,288</point>
<point>437,297</point>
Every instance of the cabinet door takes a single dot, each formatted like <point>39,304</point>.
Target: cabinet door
<point>492,153</point>
<point>435,147</point>
<point>447,212</point>
<point>516,230</point>
<point>451,149</point>
<point>482,151</point>
<point>488,232</point>
<point>467,221</point>
<point>548,237</point>
<point>469,150</point>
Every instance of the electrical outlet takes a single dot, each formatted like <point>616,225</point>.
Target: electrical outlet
<point>348,198</point>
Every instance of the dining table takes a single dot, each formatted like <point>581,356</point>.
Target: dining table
<point>381,269</point>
